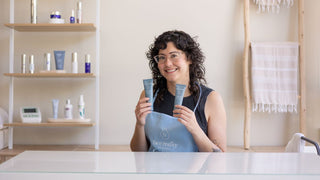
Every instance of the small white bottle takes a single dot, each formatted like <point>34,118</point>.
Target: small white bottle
<point>68,110</point>
<point>34,11</point>
<point>79,12</point>
<point>74,62</point>
<point>81,108</point>
<point>23,63</point>
<point>31,64</point>
<point>47,59</point>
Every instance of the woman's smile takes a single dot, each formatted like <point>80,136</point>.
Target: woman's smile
<point>171,70</point>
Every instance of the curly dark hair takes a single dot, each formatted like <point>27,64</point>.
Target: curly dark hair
<point>190,47</point>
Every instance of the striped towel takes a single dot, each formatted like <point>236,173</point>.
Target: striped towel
<point>275,76</point>
<point>272,5</point>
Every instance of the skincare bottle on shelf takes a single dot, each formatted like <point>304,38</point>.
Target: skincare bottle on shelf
<point>87,64</point>
<point>68,110</point>
<point>72,18</point>
<point>33,11</point>
<point>74,62</point>
<point>79,12</point>
<point>47,60</point>
<point>81,107</point>
<point>23,63</point>
<point>55,106</point>
<point>31,64</point>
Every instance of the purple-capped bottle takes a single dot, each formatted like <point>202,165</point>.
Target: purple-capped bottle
<point>72,18</point>
<point>87,64</point>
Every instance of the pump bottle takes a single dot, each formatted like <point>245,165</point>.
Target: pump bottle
<point>68,110</point>
<point>81,107</point>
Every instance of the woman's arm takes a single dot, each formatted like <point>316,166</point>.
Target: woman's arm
<point>217,120</point>
<point>139,141</point>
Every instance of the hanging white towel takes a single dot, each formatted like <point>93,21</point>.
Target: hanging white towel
<point>274,76</point>
<point>272,5</point>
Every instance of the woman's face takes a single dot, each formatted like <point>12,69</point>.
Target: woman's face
<point>173,64</point>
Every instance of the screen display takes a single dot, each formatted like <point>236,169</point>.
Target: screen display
<point>30,110</point>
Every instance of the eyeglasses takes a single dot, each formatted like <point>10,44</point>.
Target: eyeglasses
<point>173,56</point>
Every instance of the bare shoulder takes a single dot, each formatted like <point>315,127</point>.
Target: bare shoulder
<point>214,106</point>
<point>214,98</point>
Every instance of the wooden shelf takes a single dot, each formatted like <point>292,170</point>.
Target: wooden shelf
<point>45,124</point>
<point>53,75</point>
<point>46,27</point>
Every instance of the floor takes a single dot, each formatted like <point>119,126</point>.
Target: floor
<point>6,153</point>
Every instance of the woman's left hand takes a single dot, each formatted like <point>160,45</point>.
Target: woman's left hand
<point>186,117</point>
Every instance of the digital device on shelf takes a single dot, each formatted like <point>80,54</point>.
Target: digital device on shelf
<point>30,114</point>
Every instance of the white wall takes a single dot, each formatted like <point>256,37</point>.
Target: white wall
<point>127,29</point>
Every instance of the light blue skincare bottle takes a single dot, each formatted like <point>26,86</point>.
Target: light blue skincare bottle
<point>180,88</point>
<point>55,105</point>
<point>59,59</point>
<point>148,89</point>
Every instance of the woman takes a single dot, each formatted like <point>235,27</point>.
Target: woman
<point>175,58</point>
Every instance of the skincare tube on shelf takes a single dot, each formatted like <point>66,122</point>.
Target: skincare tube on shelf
<point>23,63</point>
<point>59,59</point>
<point>47,60</point>
<point>55,105</point>
<point>33,11</point>
<point>31,64</point>
<point>180,88</point>
<point>68,110</point>
<point>148,89</point>
<point>74,62</point>
<point>87,64</point>
<point>81,107</point>
<point>79,12</point>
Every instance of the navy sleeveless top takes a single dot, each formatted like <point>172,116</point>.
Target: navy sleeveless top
<point>166,106</point>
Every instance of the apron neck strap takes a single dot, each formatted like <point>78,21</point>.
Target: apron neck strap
<point>200,90</point>
<point>200,93</point>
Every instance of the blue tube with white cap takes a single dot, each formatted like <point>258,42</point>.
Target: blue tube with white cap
<point>148,89</point>
<point>180,89</point>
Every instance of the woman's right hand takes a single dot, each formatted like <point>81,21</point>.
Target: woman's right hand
<point>143,108</point>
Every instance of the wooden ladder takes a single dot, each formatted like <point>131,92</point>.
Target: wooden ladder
<point>246,80</point>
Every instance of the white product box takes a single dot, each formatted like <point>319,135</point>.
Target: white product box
<point>4,138</point>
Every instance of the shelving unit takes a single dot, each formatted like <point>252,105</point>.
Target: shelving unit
<point>85,27</point>
<point>53,75</point>
<point>20,124</point>
<point>43,27</point>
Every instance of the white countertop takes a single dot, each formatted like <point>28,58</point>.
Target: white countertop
<point>75,162</point>
<point>83,165</point>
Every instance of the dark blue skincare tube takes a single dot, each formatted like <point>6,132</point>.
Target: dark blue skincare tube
<point>180,88</point>
<point>148,89</point>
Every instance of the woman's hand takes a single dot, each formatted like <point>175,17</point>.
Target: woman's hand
<point>187,118</point>
<point>143,108</point>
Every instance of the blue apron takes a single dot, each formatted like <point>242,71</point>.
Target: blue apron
<point>166,134</point>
